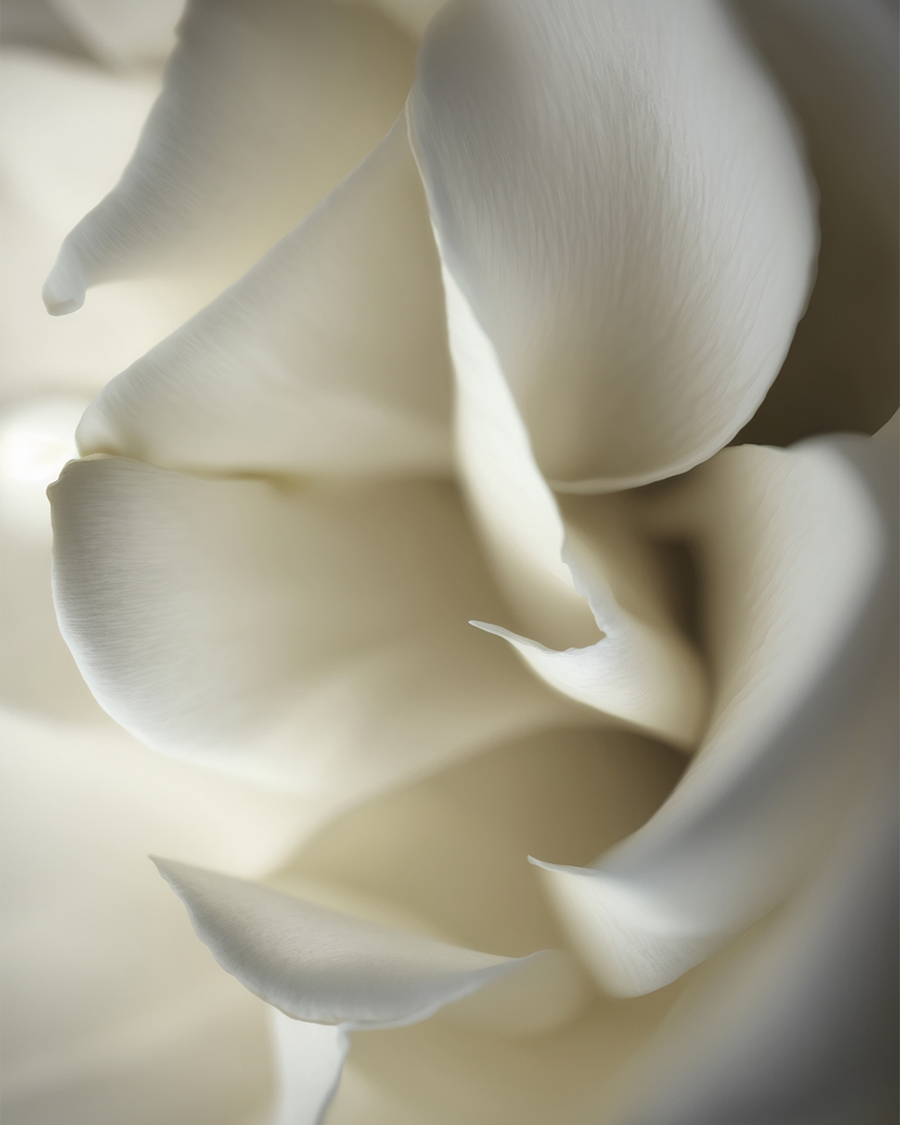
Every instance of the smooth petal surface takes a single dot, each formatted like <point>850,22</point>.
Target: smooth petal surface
<point>568,583</point>
<point>316,637</point>
<point>266,106</point>
<point>323,966</point>
<point>798,555</point>
<point>620,197</point>
<point>111,1010</point>
<point>328,356</point>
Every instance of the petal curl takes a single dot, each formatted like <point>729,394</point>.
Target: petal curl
<point>316,636</point>
<point>568,581</point>
<point>324,966</point>
<point>619,196</point>
<point>328,356</point>
<point>810,1002</point>
<point>266,105</point>
<point>800,564</point>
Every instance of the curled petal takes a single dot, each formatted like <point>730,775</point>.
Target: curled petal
<point>810,1003</point>
<point>566,581</point>
<point>799,561</point>
<point>266,105</point>
<point>619,195</point>
<point>316,637</point>
<point>328,356</point>
<point>324,966</point>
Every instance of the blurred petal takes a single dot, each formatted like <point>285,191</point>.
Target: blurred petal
<point>619,197</point>
<point>564,583</point>
<point>799,559</point>
<point>267,104</point>
<point>328,356</point>
<point>109,1014</point>
<point>326,967</point>
<point>316,637</point>
<point>67,130</point>
<point>37,672</point>
<point>838,63</point>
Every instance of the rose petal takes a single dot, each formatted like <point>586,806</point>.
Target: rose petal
<point>266,105</point>
<point>810,1004</point>
<point>67,130</point>
<point>316,637</point>
<point>619,196</point>
<point>567,583</point>
<point>327,967</point>
<point>109,1013</point>
<point>328,356</point>
<point>800,568</point>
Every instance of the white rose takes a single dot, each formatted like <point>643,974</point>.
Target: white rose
<point>267,561</point>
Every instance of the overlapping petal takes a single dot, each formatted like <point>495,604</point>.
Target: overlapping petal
<point>330,968</point>
<point>328,356</point>
<point>109,1013</point>
<point>809,1003</point>
<point>619,196</point>
<point>266,106</point>
<point>799,564</point>
<point>316,636</point>
<point>568,581</point>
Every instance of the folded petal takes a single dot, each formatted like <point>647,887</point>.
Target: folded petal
<point>314,636</point>
<point>618,194</point>
<point>568,582</point>
<point>799,561</point>
<point>266,106</point>
<point>810,1002</point>
<point>328,356</point>
<point>326,967</point>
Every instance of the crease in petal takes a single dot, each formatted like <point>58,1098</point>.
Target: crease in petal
<point>618,192</point>
<point>800,567</point>
<point>329,356</point>
<point>312,637</point>
<point>557,575</point>
<point>266,105</point>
